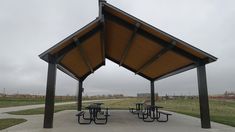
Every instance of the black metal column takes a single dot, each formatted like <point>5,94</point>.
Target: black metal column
<point>79,98</point>
<point>203,97</point>
<point>152,93</point>
<point>50,95</point>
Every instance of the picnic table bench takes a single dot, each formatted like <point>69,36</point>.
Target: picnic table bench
<point>163,113</point>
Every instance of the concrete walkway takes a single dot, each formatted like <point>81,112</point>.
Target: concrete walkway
<point>119,121</point>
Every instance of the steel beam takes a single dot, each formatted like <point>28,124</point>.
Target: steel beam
<point>79,97</point>
<point>203,97</point>
<point>64,66</point>
<point>83,55</point>
<point>61,68</point>
<point>152,93</point>
<point>129,43</point>
<point>50,94</point>
<point>155,58</point>
<point>102,38</point>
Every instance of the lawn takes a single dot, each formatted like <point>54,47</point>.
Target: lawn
<point>222,111</point>
<point>8,122</point>
<point>10,101</point>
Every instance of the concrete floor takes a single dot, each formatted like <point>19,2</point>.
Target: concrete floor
<point>119,121</point>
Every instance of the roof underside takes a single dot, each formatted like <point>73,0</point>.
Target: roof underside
<point>127,41</point>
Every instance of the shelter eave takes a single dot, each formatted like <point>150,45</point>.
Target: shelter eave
<point>44,55</point>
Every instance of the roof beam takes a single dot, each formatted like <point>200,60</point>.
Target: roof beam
<point>84,56</point>
<point>102,38</point>
<point>61,68</point>
<point>67,69</point>
<point>129,43</point>
<point>154,38</point>
<point>155,57</point>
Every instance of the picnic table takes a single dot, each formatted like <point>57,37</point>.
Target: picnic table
<point>95,114</point>
<point>149,113</point>
<point>152,113</point>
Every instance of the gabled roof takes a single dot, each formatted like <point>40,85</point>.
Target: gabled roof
<point>127,41</point>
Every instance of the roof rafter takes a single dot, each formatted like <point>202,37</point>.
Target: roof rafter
<point>83,54</point>
<point>68,69</point>
<point>155,57</point>
<point>61,68</point>
<point>129,43</point>
<point>102,38</point>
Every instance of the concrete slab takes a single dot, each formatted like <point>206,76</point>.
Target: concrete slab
<point>119,121</point>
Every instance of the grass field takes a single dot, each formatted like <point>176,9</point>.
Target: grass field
<point>9,101</point>
<point>222,111</point>
<point>8,122</point>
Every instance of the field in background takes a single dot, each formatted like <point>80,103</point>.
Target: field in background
<point>20,101</point>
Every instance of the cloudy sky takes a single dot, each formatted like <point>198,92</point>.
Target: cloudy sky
<point>29,27</point>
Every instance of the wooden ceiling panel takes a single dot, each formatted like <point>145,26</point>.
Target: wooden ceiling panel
<point>74,62</point>
<point>92,49</point>
<point>141,51</point>
<point>167,63</point>
<point>117,37</point>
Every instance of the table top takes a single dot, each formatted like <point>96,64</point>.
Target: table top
<point>139,103</point>
<point>98,103</point>
<point>154,106</point>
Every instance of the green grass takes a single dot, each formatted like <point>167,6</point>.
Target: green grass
<point>8,122</point>
<point>10,101</point>
<point>41,110</point>
<point>221,111</point>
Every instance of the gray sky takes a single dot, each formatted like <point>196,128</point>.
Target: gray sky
<point>29,27</point>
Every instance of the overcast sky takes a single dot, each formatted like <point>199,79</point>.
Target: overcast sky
<point>29,27</point>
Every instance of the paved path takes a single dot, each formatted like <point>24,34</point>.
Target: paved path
<point>119,121</point>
